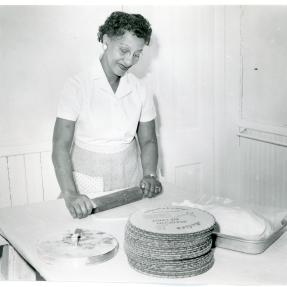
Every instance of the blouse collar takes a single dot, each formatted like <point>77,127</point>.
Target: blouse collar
<point>125,85</point>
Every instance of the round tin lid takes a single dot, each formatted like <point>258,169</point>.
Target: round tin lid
<point>172,220</point>
<point>90,246</point>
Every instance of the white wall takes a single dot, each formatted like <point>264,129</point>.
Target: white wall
<point>264,46</point>
<point>40,48</point>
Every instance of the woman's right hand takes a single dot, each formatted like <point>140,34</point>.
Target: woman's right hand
<point>79,205</point>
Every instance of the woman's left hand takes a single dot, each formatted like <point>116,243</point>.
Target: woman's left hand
<point>151,186</point>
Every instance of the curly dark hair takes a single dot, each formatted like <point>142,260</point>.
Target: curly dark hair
<point>120,22</point>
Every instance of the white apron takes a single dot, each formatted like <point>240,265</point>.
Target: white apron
<point>95,173</point>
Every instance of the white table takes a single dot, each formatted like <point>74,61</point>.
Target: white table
<point>24,226</point>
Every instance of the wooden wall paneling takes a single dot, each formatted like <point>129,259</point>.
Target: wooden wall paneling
<point>263,170</point>
<point>17,177</point>
<point>228,109</point>
<point>34,177</point>
<point>51,188</point>
<point>220,144</point>
<point>205,65</point>
<point>5,196</point>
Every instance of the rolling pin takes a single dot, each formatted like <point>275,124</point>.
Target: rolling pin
<point>117,198</point>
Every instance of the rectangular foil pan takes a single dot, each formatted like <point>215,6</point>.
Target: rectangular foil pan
<point>248,246</point>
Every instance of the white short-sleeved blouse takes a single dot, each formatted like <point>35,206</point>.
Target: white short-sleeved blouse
<point>106,122</point>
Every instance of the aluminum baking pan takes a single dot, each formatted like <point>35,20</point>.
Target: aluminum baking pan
<point>248,246</point>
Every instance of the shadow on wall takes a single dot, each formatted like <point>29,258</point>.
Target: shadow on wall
<point>150,53</point>
<point>144,71</point>
<point>158,125</point>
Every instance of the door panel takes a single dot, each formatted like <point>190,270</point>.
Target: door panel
<point>180,75</point>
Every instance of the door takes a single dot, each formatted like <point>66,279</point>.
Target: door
<point>178,67</point>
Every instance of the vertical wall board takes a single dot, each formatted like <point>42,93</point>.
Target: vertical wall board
<point>227,150</point>
<point>34,178</point>
<point>17,177</point>
<point>5,199</point>
<point>226,30</point>
<point>263,169</point>
<point>50,184</point>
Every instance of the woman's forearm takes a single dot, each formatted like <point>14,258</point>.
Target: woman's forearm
<point>62,142</point>
<point>63,169</point>
<point>149,157</point>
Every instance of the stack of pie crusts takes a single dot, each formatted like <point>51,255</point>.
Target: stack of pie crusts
<point>170,241</point>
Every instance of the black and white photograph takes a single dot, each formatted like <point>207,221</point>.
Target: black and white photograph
<point>143,144</point>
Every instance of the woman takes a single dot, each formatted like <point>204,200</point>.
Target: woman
<point>99,115</point>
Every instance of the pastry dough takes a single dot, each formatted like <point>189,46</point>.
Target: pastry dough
<point>236,221</point>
